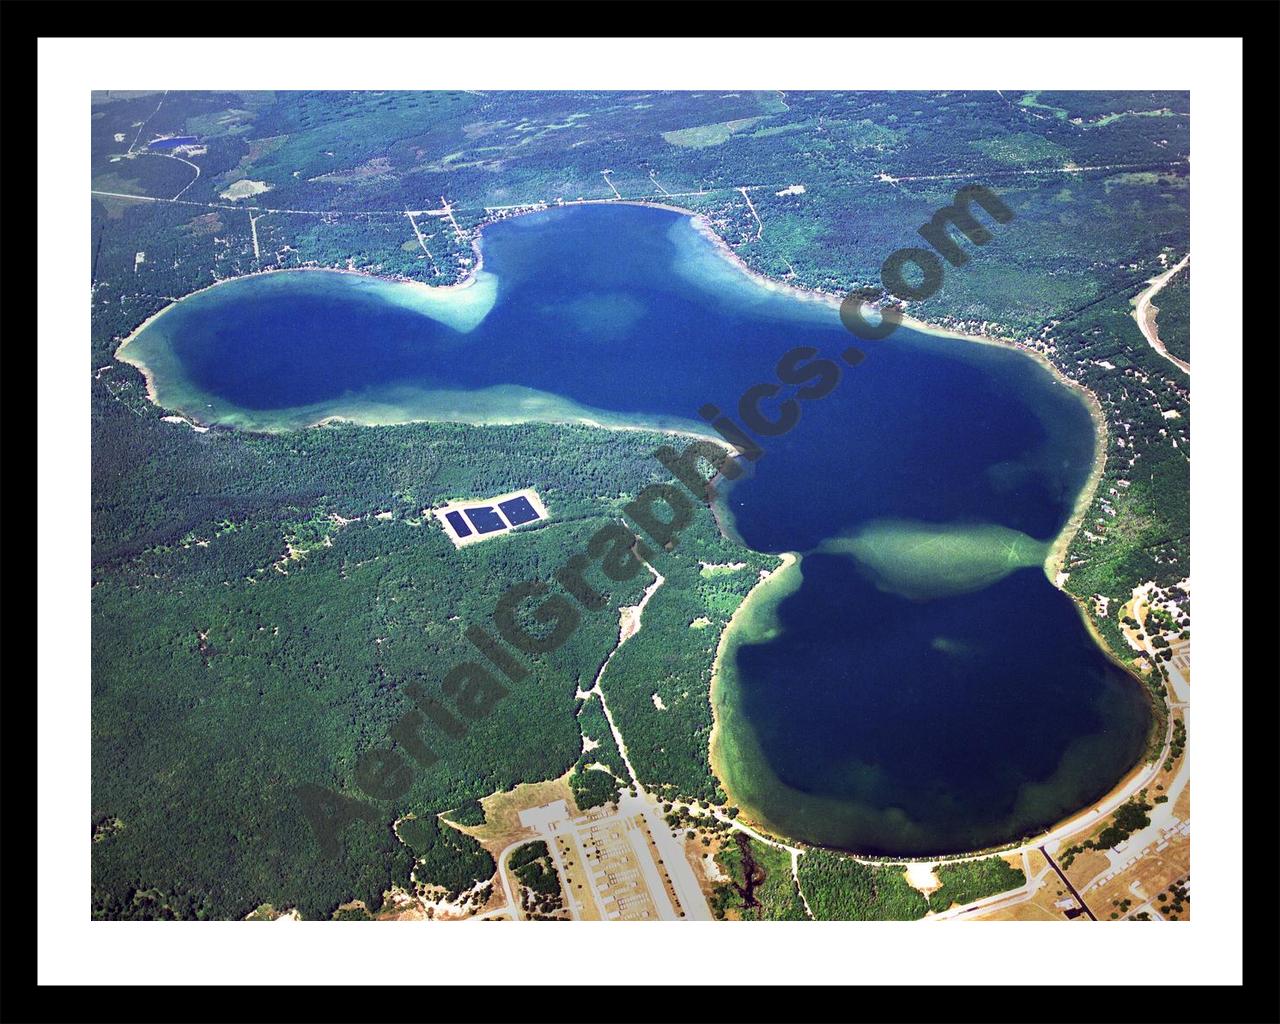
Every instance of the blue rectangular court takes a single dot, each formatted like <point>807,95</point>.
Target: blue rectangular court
<point>460,527</point>
<point>518,510</point>
<point>485,519</point>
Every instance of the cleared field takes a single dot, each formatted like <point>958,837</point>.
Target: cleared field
<point>1143,883</point>
<point>1182,809</point>
<point>502,824</point>
<point>244,189</point>
<point>708,134</point>
<point>1043,904</point>
<point>469,522</point>
<point>1030,910</point>
<point>1087,866</point>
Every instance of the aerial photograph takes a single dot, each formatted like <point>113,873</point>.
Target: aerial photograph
<point>633,505</point>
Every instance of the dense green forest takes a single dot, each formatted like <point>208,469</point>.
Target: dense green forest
<point>256,625</point>
<point>445,856</point>
<point>600,772</point>
<point>840,888</point>
<point>595,728</point>
<point>593,788</point>
<point>540,895</point>
<point>969,880</point>
<point>672,658</point>
<point>261,603</point>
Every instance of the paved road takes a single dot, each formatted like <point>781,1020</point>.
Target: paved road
<point>1147,323</point>
<point>513,905</point>
<point>679,870</point>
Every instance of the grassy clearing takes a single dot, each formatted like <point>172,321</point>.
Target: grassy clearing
<point>704,135</point>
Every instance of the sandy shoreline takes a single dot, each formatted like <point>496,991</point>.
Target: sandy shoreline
<point>786,561</point>
<point>434,289</point>
<point>1058,547</point>
<point>1081,820</point>
<point>148,374</point>
<point>581,421</point>
<point>1053,564</point>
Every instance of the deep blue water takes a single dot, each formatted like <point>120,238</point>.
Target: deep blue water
<point>880,723</point>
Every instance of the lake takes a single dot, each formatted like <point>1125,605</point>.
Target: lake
<point>914,684</point>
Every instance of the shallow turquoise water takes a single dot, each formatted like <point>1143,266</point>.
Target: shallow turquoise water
<point>925,688</point>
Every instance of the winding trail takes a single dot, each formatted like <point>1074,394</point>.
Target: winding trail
<point>448,212</point>
<point>180,160</point>
<point>1145,314</point>
<point>137,138</point>
<point>653,176</point>
<point>752,208</point>
<point>629,626</point>
<point>795,876</point>
<point>414,224</point>
<point>421,240</point>
<point>1068,168</point>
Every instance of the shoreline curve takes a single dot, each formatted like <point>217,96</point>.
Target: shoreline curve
<point>1053,565</point>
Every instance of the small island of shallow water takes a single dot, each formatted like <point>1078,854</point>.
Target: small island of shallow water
<point>913,684</point>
